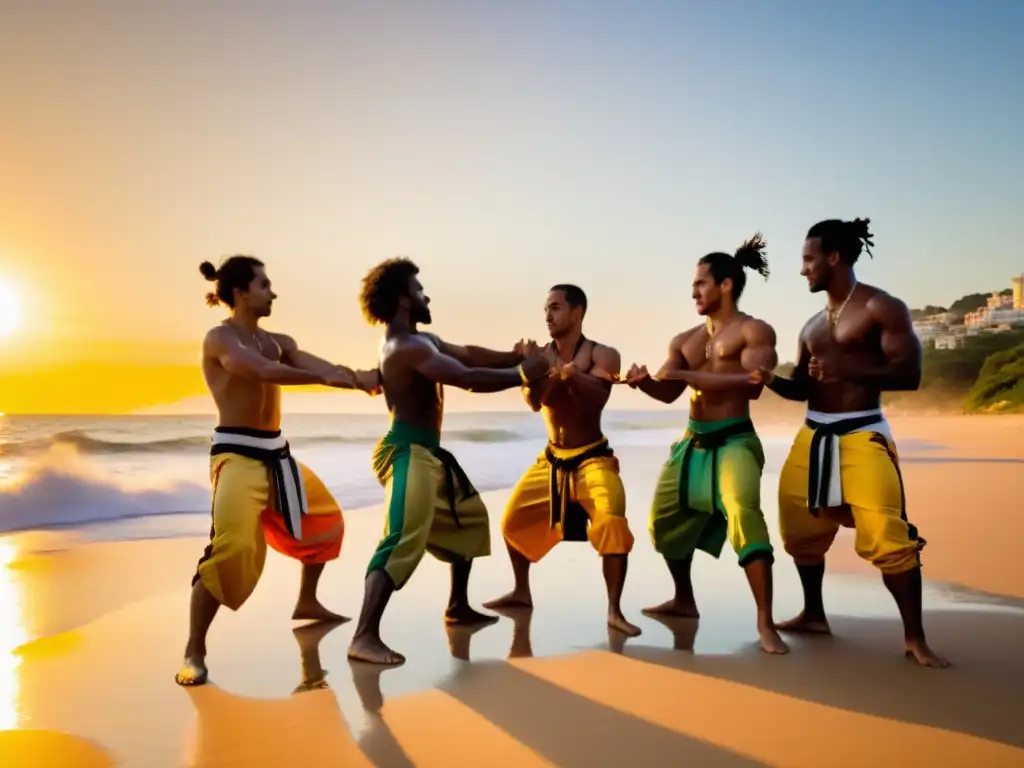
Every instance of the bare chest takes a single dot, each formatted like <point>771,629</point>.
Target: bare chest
<point>720,351</point>
<point>853,333</point>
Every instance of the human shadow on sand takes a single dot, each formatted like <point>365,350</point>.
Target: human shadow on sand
<point>861,668</point>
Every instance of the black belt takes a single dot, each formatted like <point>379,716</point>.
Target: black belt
<point>277,461</point>
<point>820,494</point>
<point>565,508</point>
<point>710,441</point>
<point>819,481</point>
<point>454,474</point>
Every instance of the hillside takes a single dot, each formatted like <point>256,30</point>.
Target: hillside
<point>1000,385</point>
<point>960,307</point>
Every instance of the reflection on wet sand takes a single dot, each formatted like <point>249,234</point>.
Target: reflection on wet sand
<point>306,728</point>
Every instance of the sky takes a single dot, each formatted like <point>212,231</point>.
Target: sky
<point>503,146</point>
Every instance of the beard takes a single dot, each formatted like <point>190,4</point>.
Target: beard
<point>422,316</point>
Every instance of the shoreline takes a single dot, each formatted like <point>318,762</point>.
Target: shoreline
<point>511,688</point>
<point>941,478</point>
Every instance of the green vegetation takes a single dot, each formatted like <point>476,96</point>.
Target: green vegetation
<point>958,308</point>
<point>958,369</point>
<point>1000,385</point>
<point>984,375</point>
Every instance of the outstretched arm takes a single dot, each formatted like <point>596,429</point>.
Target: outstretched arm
<point>663,387</point>
<point>596,387</point>
<point>431,362</point>
<point>307,361</point>
<point>240,360</point>
<point>480,357</point>
<point>758,352</point>
<point>900,345</point>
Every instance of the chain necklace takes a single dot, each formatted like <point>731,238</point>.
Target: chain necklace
<point>834,314</point>
<point>710,328</point>
<point>255,337</point>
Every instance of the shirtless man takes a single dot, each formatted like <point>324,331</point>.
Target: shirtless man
<point>710,487</point>
<point>430,503</point>
<point>577,462</point>
<point>261,494</point>
<point>843,469</point>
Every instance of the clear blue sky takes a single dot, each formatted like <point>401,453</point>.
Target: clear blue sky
<point>505,146</point>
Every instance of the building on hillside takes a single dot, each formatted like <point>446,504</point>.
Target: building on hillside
<point>1007,317</point>
<point>949,341</point>
<point>927,331</point>
<point>1000,301</point>
<point>1018,292</point>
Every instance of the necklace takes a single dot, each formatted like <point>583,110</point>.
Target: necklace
<point>833,314</point>
<point>710,328</point>
<point>255,337</point>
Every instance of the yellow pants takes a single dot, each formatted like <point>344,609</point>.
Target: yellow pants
<point>597,488</point>
<point>873,490</point>
<point>244,522</point>
<point>420,491</point>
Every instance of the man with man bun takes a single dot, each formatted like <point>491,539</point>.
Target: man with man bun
<point>261,494</point>
<point>710,487</point>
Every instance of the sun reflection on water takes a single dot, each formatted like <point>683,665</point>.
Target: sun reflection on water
<point>12,635</point>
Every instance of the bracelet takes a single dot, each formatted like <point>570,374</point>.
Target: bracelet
<point>522,374</point>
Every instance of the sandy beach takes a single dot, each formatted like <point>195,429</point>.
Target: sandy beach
<point>93,633</point>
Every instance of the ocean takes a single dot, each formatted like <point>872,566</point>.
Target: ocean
<point>130,477</point>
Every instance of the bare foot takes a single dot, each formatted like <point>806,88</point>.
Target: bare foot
<point>770,641</point>
<point>617,621</point>
<point>673,608</point>
<point>919,651</point>
<point>805,626</point>
<point>373,651</point>
<point>465,616</point>
<point>513,599</point>
<point>314,611</point>
<point>193,671</point>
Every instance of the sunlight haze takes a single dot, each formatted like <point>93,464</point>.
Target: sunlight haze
<point>503,147</point>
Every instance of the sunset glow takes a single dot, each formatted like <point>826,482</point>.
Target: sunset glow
<point>10,309</point>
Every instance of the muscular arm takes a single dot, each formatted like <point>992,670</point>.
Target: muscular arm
<point>595,388</point>
<point>479,357</point>
<point>307,361</point>
<point>538,393</point>
<point>900,345</point>
<point>797,388</point>
<point>239,360</point>
<point>662,387</point>
<point>758,352</point>
<point>435,365</point>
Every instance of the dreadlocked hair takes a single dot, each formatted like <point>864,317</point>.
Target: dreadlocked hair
<point>750,255</point>
<point>847,238</point>
<point>383,287</point>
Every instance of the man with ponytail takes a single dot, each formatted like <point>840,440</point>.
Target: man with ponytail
<point>710,487</point>
<point>843,469</point>
<point>261,494</point>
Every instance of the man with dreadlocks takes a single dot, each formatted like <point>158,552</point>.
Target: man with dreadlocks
<point>843,468</point>
<point>710,487</point>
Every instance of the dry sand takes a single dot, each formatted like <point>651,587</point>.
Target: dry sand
<point>98,689</point>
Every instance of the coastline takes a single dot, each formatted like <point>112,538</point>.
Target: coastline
<point>120,608</point>
<point>72,581</point>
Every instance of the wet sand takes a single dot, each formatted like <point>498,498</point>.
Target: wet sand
<point>554,688</point>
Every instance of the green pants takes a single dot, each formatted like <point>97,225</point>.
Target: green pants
<point>430,504</point>
<point>710,491</point>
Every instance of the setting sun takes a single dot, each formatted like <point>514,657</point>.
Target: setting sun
<point>10,309</point>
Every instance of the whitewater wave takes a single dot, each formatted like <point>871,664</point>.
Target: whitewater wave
<point>61,489</point>
<point>85,444</point>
